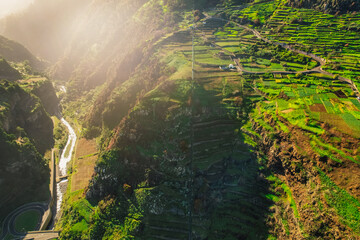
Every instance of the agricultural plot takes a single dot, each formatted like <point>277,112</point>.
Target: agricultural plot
<point>332,37</point>
<point>83,166</point>
<point>294,98</point>
<point>305,98</point>
<point>257,56</point>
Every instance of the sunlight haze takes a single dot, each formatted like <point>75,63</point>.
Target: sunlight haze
<point>180,119</point>
<point>11,6</point>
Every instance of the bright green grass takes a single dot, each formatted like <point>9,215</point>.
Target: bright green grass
<point>321,32</point>
<point>277,182</point>
<point>80,226</point>
<point>291,200</point>
<point>323,152</point>
<point>84,208</point>
<point>27,221</point>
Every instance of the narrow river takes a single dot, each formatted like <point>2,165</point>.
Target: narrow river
<point>64,160</point>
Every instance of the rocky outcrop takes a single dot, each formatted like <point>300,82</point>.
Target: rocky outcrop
<point>26,132</point>
<point>46,92</point>
<point>22,111</point>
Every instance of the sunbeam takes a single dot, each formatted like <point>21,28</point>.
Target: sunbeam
<point>11,6</point>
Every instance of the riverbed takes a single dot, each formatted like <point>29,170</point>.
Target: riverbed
<point>65,158</point>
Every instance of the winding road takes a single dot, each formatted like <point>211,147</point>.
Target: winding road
<point>8,226</point>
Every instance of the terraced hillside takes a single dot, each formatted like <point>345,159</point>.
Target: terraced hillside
<point>307,126</point>
<point>232,128</point>
<point>334,38</point>
<point>222,169</point>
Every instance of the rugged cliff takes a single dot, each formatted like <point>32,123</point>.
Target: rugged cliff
<point>26,129</point>
<point>314,182</point>
<point>23,110</point>
<point>26,133</point>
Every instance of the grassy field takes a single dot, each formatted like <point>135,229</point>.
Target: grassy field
<point>27,221</point>
<point>84,163</point>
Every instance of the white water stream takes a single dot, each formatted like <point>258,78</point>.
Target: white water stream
<point>64,160</point>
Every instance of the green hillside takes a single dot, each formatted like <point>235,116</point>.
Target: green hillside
<point>252,153</point>
<point>26,134</point>
<point>204,120</point>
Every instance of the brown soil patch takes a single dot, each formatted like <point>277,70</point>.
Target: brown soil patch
<point>85,158</point>
<point>336,121</point>
<point>287,110</point>
<point>340,94</point>
<point>318,107</point>
<point>347,177</point>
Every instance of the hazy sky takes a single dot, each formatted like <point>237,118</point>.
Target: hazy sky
<point>9,6</point>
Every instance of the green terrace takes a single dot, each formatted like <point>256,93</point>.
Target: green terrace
<point>329,36</point>
<point>221,153</point>
<point>306,100</point>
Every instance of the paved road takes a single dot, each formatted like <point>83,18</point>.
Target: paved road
<point>42,235</point>
<point>9,222</point>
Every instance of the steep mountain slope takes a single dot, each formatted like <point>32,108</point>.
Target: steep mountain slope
<point>22,109</point>
<point>228,156</point>
<point>7,72</point>
<point>89,39</point>
<point>15,52</point>
<point>268,149</point>
<point>26,129</point>
<point>25,132</point>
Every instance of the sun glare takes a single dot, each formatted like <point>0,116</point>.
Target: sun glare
<point>11,6</point>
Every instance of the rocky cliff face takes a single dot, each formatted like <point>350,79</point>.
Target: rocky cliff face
<point>22,110</point>
<point>46,92</point>
<point>26,132</point>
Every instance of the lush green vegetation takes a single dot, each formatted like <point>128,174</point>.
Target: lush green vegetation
<point>346,205</point>
<point>27,221</point>
<point>25,134</point>
<point>237,148</point>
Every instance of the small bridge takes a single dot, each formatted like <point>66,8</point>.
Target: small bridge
<point>59,179</point>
